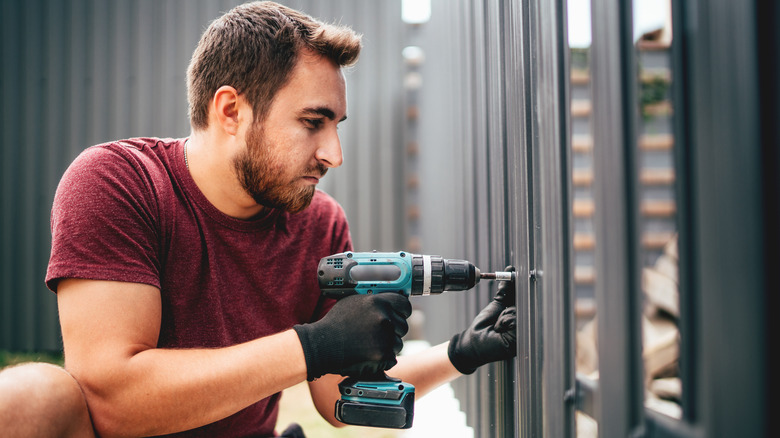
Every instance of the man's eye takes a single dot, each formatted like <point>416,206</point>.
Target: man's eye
<point>312,123</point>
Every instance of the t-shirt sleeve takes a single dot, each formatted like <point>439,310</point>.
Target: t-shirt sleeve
<point>104,221</point>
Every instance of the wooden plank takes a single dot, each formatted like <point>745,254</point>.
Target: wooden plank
<point>583,208</point>
<point>585,308</point>
<point>584,241</point>
<point>656,142</point>
<point>648,177</point>
<point>658,208</point>
<point>581,108</point>
<point>581,143</point>
<point>658,109</point>
<point>657,177</point>
<point>580,77</point>
<point>656,240</point>
<point>650,240</point>
<point>584,275</point>
<point>582,177</point>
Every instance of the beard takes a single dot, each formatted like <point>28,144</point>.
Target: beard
<point>262,175</point>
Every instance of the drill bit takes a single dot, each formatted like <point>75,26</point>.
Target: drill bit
<point>498,275</point>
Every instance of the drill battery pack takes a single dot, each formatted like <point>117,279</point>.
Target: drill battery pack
<point>383,403</point>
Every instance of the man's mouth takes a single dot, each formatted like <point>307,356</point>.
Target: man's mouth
<point>315,175</point>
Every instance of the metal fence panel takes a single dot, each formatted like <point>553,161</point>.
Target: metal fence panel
<point>617,288</point>
<point>499,108</point>
<point>729,207</point>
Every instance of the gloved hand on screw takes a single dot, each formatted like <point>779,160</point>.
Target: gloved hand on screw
<point>492,335</point>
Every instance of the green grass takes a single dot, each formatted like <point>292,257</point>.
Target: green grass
<point>12,358</point>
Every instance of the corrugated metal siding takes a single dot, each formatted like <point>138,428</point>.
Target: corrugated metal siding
<point>456,202</point>
<point>76,73</point>
<point>494,190</point>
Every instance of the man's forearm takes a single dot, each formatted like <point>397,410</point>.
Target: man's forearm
<point>156,391</point>
<point>425,370</point>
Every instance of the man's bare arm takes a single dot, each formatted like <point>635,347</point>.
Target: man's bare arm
<point>110,332</point>
<point>426,370</point>
<point>324,393</point>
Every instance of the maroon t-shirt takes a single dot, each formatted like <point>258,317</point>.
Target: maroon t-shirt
<point>130,211</point>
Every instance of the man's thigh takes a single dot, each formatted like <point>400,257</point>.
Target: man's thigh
<point>39,399</point>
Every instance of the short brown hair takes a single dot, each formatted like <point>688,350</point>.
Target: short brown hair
<point>253,48</point>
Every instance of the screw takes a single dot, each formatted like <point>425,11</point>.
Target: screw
<point>569,395</point>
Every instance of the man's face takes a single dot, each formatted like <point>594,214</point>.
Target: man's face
<point>287,153</point>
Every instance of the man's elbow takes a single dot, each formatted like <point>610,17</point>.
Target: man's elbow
<point>107,418</point>
<point>110,416</point>
<point>331,419</point>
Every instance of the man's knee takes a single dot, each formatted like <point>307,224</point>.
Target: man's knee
<point>38,399</point>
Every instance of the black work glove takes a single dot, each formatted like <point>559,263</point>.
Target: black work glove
<point>360,335</point>
<point>492,335</point>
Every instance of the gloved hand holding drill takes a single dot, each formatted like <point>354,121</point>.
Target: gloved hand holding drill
<point>360,335</point>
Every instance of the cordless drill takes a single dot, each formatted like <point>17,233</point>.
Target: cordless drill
<point>378,400</point>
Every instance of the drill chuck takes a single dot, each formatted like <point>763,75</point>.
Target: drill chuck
<point>433,275</point>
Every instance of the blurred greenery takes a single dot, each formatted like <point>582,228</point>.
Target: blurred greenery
<point>653,90</point>
<point>579,58</point>
<point>12,358</point>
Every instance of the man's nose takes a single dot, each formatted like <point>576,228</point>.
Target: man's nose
<point>329,150</point>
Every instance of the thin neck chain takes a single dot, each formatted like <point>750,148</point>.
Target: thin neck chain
<point>186,163</point>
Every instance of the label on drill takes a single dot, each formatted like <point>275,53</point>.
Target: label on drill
<point>426,290</point>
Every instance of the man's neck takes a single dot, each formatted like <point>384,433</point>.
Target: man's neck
<point>210,163</point>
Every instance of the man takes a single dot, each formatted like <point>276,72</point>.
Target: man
<point>184,269</point>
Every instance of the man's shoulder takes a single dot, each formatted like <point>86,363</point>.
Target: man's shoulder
<point>324,204</point>
<point>323,199</point>
<point>111,150</point>
<point>325,221</point>
<point>134,146</point>
<point>132,154</point>
<point>132,166</point>
<point>324,211</point>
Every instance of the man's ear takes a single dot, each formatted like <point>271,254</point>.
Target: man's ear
<point>225,108</point>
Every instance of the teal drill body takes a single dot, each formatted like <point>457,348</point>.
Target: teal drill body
<point>401,272</point>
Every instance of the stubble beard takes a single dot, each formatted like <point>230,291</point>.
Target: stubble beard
<point>262,176</point>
